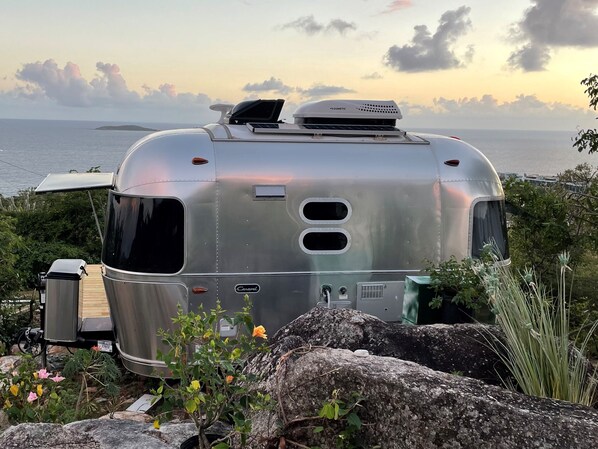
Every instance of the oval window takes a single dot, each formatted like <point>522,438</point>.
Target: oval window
<point>325,241</point>
<point>325,210</point>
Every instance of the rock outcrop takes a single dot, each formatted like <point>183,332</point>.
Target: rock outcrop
<point>405,404</point>
<point>411,395</point>
<point>96,434</point>
<point>460,348</point>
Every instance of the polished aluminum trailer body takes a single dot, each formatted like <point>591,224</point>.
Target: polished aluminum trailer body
<point>294,220</point>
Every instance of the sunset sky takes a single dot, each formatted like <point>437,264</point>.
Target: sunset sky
<point>464,64</point>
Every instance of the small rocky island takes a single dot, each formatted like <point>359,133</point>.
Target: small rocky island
<point>124,128</point>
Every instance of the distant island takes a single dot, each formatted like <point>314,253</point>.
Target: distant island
<point>125,128</point>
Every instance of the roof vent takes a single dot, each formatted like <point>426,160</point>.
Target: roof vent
<point>351,112</point>
<point>257,111</point>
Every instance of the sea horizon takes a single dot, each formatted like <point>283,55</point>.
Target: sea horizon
<point>32,148</point>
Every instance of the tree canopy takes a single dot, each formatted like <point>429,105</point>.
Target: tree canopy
<point>587,139</point>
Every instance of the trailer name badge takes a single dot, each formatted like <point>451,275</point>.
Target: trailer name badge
<point>247,288</point>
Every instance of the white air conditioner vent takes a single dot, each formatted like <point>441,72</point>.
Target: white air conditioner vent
<point>344,111</point>
<point>379,108</point>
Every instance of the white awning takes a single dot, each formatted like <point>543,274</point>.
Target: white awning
<point>66,182</point>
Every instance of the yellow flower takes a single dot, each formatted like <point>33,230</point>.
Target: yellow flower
<point>260,332</point>
<point>35,375</point>
<point>195,384</point>
<point>7,404</point>
<point>229,379</point>
<point>156,424</point>
<point>14,389</point>
<point>40,390</point>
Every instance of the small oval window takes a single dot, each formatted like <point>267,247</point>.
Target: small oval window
<point>325,210</point>
<point>324,241</point>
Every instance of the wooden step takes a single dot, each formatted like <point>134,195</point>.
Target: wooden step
<point>94,303</point>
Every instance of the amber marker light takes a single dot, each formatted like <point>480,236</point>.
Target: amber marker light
<point>199,290</point>
<point>199,161</point>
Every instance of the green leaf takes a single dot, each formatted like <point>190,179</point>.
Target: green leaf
<point>336,410</point>
<point>354,420</point>
<point>190,406</point>
<point>222,445</point>
<point>327,411</point>
<point>318,429</point>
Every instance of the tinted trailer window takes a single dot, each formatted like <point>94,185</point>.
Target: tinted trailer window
<point>144,235</point>
<point>489,226</point>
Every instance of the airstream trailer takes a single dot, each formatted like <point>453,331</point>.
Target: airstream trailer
<point>335,209</point>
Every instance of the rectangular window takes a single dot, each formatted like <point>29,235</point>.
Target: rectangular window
<point>489,226</point>
<point>144,235</point>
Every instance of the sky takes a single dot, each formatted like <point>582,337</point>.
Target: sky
<point>506,64</point>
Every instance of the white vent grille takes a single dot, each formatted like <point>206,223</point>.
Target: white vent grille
<point>372,291</point>
<point>378,108</point>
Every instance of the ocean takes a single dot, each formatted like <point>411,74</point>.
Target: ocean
<point>30,149</point>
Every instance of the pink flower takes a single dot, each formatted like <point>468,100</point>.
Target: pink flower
<point>32,397</point>
<point>43,373</point>
<point>57,378</point>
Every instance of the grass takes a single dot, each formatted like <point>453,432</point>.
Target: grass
<point>537,349</point>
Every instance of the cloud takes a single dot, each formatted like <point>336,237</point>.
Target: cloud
<point>523,106</point>
<point>341,26</point>
<point>309,26</point>
<point>269,85</point>
<point>372,76</point>
<point>396,5</point>
<point>530,58</point>
<point>428,52</point>
<point>321,90</point>
<point>553,23</point>
<point>486,112</point>
<point>166,95</point>
<point>67,87</point>
<point>44,86</point>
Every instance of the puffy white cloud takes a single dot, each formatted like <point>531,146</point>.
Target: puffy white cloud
<point>553,23</point>
<point>66,86</point>
<point>428,51</point>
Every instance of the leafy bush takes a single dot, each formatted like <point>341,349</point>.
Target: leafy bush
<point>460,280</point>
<point>97,374</point>
<point>32,395</point>
<point>547,220</point>
<point>9,246</point>
<point>212,384</point>
<point>54,226</point>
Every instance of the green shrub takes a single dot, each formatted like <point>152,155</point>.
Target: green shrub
<point>212,384</point>
<point>460,280</point>
<point>30,394</point>
<point>96,374</point>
